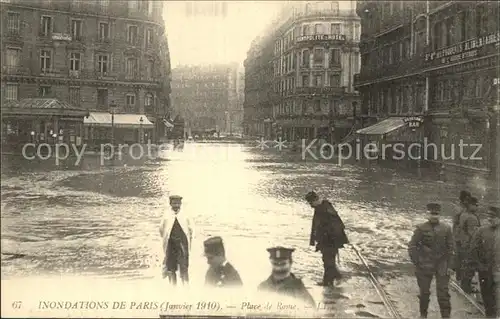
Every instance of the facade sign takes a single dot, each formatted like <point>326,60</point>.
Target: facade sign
<point>414,121</point>
<point>464,50</point>
<point>61,37</point>
<point>323,37</point>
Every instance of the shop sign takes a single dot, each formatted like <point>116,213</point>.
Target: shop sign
<point>414,121</point>
<point>322,37</point>
<point>61,37</point>
<point>464,50</point>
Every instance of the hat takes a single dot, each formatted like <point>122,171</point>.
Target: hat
<point>280,253</point>
<point>311,196</point>
<point>472,201</point>
<point>464,196</point>
<point>214,246</point>
<point>494,211</point>
<point>175,197</point>
<point>434,208</point>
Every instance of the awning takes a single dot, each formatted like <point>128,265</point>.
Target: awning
<point>383,127</point>
<point>120,120</point>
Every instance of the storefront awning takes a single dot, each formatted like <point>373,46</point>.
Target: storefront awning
<point>383,127</point>
<point>120,120</point>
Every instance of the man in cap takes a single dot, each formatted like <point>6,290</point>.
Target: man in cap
<point>464,200</point>
<point>328,234</point>
<point>220,272</point>
<point>482,250</point>
<point>431,251</point>
<point>177,233</point>
<point>282,281</point>
<point>468,224</point>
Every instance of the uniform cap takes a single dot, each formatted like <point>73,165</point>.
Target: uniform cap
<point>494,211</point>
<point>465,196</point>
<point>280,253</point>
<point>473,201</point>
<point>433,207</point>
<point>214,246</point>
<point>175,197</point>
<point>311,196</point>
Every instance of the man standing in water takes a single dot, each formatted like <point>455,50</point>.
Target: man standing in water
<point>431,251</point>
<point>177,232</point>
<point>282,281</point>
<point>221,273</point>
<point>328,234</point>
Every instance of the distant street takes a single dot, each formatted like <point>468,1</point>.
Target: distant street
<point>103,223</point>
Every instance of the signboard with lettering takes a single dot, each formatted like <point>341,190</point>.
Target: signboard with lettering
<point>322,37</point>
<point>464,50</point>
<point>414,121</point>
<point>61,37</point>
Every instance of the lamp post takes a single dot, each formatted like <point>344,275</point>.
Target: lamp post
<point>112,111</point>
<point>141,120</point>
<point>32,136</point>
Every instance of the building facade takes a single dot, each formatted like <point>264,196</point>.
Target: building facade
<point>315,54</point>
<point>207,97</point>
<point>109,58</point>
<point>435,61</point>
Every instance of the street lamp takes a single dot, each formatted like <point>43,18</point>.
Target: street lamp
<point>32,136</point>
<point>112,106</point>
<point>140,129</point>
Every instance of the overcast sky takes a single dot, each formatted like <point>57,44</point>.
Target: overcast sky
<point>209,38</point>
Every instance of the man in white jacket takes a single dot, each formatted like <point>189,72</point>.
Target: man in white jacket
<point>177,233</point>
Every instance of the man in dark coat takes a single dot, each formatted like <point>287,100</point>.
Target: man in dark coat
<point>458,266</point>
<point>328,234</point>
<point>282,281</point>
<point>482,250</point>
<point>220,272</point>
<point>431,250</point>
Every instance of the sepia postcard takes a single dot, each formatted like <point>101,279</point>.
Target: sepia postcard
<point>263,159</point>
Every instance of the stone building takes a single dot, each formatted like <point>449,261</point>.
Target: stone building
<point>104,57</point>
<point>315,56</point>
<point>436,63</point>
<point>206,97</point>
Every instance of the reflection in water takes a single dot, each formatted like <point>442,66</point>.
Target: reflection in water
<point>104,222</point>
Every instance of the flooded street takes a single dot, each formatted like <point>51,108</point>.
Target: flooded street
<point>103,223</point>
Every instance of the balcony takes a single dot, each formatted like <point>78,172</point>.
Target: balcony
<point>74,74</point>
<point>103,75</point>
<point>50,72</point>
<point>15,70</point>
<point>320,90</point>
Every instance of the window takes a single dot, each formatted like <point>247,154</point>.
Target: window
<point>76,29</point>
<point>76,4</point>
<point>149,37</point>
<point>335,56</point>
<point>305,58</point>
<point>318,80</point>
<point>12,58</point>
<point>13,23</point>
<point>74,95</point>
<point>150,70</point>
<point>46,26</point>
<point>132,33</point>
<point>130,101</point>
<point>319,56</point>
<point>103,31</point>
<point>103,63</point>
<point>335,80</point>
<point>11,91</point>
<point>133,5</point>
<point>103,6</point>
<point>305,29</point>
<point>131,67</point>
<point>317,105</point>
<point>148,103</point>
<point>318,28</point>
<point>45,60</point>
<point>102,99</point>
<point>74,61</point>
<point>305,80</point>
<point>335,28</point>
<point>150,7</point>
<point>44,91</point>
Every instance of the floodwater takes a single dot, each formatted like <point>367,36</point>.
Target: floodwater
<point>102,223</point>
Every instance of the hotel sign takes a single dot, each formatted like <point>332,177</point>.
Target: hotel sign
<point>414,121</point>
<point>322,37</point>
<point>464,50</point>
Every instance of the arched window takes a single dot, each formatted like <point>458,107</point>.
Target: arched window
<point>149,102</point>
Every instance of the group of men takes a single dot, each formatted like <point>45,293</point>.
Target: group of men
<point>436,249</point>
<point>327,235</point>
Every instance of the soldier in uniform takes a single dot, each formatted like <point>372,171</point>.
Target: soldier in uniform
<point>482,250</point>
<point>431,251</point>
<point>220,272</point>
<point>282,281</point>
<point>464,199</point>
<point>468,224</point>
<point>328,234</point>
<point>177,234</point>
